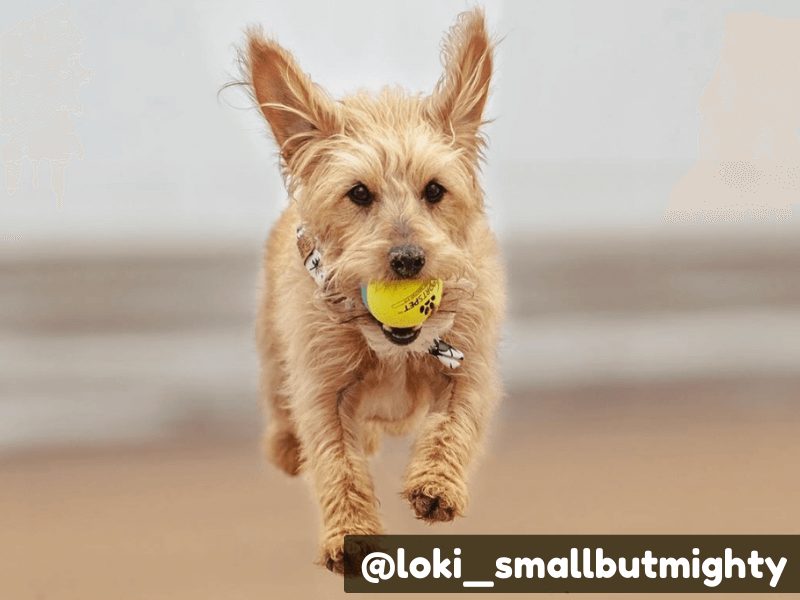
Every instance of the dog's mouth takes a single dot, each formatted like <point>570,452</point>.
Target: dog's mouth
<point>401,336</point>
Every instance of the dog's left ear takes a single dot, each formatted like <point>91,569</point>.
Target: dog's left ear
<point>460,96</point>
<point>297,110</point>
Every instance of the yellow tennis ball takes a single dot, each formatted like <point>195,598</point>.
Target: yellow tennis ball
<point>403,303</point>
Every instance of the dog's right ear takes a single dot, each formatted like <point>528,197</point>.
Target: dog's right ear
<point>297,110</point>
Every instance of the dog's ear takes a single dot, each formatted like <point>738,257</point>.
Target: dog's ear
<point>297,110</point>
<point>459,98</point>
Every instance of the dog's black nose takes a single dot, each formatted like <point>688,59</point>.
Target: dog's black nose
<point>406,260</point>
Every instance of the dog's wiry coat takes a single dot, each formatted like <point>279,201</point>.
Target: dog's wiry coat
<point>333,382</point>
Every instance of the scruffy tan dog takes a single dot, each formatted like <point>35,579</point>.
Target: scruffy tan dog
<point>382,187</point>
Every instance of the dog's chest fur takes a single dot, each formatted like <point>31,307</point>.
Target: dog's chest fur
<point>397,394</point>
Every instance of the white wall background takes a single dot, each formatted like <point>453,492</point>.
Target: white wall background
<point>595,106</point>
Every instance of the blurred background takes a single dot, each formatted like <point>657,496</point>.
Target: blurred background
<point>641,173</point>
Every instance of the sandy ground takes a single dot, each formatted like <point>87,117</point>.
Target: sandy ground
<point>205,518</point>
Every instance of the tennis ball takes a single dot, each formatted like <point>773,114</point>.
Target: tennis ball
<point>402,303</point>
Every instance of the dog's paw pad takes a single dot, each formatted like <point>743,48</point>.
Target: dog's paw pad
<point>333,559</point>
<point>339,561</point>
<point>335,565</point>
<point>431,506</point>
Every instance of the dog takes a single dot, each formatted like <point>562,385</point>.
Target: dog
<point>382,186</point>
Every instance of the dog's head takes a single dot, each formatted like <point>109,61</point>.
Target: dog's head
<point>387,182</point>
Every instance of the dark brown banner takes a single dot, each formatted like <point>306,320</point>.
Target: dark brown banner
<point>573,563</point>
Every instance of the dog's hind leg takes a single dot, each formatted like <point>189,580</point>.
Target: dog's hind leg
<point>283,449</point>
<point>280,440</point>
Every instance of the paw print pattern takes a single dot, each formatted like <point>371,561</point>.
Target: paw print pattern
<point>428,306</point>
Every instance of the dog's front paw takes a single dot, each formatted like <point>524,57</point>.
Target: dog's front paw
<point>336,560</point>
<point>332,554</point>
<point>433,501</point>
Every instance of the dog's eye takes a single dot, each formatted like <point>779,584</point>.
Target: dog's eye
<point>360,194</point>
<point>433,192</point>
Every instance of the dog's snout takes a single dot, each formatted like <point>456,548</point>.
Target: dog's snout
<point>406,260</point>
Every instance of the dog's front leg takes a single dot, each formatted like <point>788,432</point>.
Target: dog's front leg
<point>450,438</point>
<point>327,425</point>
